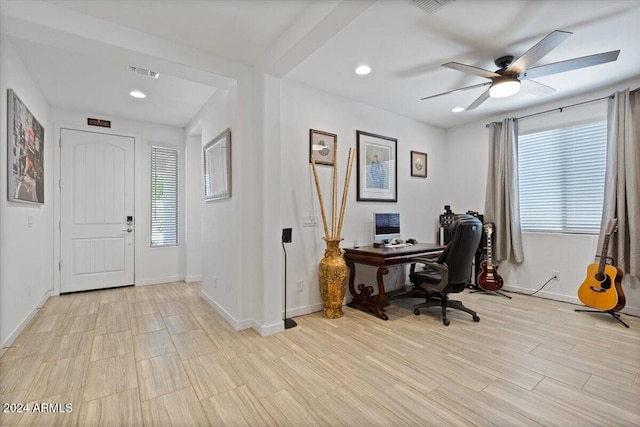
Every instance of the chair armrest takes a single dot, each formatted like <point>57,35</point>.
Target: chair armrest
<point>442,268</point>
<point>429,262</point>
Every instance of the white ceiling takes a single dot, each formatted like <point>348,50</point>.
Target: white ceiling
<point>75,81</point>
<point>236,29</point>
<point>404,45</point>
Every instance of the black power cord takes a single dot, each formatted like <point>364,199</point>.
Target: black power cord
<point>546,283</point>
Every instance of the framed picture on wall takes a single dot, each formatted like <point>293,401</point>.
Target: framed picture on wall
<point>217,167</point>
<point>322,147</point>
<point>418,164</point>
<point>377,167</point>
<point>25,140</point>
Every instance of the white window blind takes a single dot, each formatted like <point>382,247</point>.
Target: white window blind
<point>164,196</point>
<point>561,173</point>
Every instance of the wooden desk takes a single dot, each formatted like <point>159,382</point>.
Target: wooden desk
<point>363,298</point>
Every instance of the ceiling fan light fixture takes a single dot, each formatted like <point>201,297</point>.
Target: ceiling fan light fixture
<point>504,87</point>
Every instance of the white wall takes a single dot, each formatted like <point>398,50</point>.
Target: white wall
<point>26,270</point>
<point>420,201</point>
<point>467,151</point>
<point>152,265</point>
<point>193,194</point>
<point>220,227</point>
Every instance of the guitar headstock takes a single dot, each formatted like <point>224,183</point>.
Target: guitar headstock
<point>611,227</point>
<point>488,229</point>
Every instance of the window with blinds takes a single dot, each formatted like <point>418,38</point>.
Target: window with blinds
<point>561,173</point>
<point>164,196</point>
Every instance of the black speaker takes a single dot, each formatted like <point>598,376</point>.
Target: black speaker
<point>480,252</point>
<point>286,238</point>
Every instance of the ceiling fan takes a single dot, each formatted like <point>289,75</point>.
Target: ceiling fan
<point>507,79</point>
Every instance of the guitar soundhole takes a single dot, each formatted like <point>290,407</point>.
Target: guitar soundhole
<point>605,280</point>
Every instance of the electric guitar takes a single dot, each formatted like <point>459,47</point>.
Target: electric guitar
<point>602,289</point>
<point>489,279</point>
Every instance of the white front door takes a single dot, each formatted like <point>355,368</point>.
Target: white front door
<point>96,214</point>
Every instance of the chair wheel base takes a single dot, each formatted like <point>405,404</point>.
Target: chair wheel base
<point>416,311</point>
<point>476,319</point>
<point>446,322</point>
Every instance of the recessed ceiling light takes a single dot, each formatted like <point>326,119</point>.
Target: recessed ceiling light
<point>457,109</point>
<point>137,94</point>
<point>363,70</point>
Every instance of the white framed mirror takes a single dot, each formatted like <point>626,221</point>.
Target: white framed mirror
<point>217,167</point>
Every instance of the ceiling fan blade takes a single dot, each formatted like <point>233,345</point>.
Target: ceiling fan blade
<point>479,100</point>
<point>471,70</point>
<point>571,64</point>
<point>456,90</point>
<point>536,88</point>
<point>538,51</point>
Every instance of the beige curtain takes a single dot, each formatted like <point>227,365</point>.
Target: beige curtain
<point>502,203</point>
<point>622,180</point>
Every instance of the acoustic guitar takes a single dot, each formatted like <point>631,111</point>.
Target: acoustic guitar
<point>602,289</point>
<point>489,279</point>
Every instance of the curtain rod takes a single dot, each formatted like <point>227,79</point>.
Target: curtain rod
<point>559,108</point>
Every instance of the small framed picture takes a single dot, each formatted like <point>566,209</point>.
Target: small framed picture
<point>419,164</point>
<point>322,147</point>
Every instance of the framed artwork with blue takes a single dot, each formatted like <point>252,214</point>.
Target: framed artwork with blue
<point>377,167</point>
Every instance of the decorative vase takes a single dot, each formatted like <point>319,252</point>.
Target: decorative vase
<point>332,275</point>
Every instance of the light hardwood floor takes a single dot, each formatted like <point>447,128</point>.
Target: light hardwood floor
<point>159,355</point>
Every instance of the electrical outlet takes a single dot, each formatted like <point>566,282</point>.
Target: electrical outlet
<point>310,220</point>
<point>555,273</point>
<point>300,285</point>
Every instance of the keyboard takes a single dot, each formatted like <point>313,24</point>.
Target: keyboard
<point>397,245</point>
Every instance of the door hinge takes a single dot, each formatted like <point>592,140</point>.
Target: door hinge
<point>60,225</point>
<point>60,183</point>
<point>60,142</point>
<point>59,265</point>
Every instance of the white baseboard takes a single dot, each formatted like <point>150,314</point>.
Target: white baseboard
<point>191,279</point>
<point>301,311</point>
<point>543,294</point>
<point>238,325</point>
<point>267,330</point>
<point>632,311</point>
<point>158,280</point>
<point>13,335</point>
<point>235,323</point>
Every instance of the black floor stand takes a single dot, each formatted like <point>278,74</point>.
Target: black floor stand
<point>288,323</point>
<point>479,289</point>
<point>611,312</point>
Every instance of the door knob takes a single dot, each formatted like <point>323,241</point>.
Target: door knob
<point>128,230</point>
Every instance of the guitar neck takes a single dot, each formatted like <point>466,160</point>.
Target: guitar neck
<point>605,251</point>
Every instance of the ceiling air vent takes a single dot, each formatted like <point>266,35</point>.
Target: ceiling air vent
<point>144,72</point>
<point>431,6</point>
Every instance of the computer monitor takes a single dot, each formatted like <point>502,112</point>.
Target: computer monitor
<point>386,226</point>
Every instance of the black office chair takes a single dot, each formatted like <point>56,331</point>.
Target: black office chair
<point>452,271</point>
